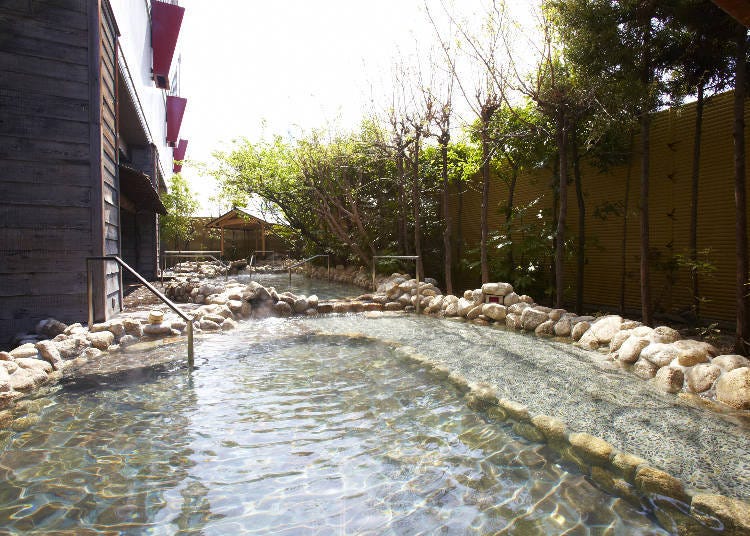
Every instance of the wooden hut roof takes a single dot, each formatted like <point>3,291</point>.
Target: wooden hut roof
<point>238,219</point>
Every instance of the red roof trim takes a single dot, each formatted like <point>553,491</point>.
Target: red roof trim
<point>178,155</point>
<point>166,20</point>
<point>175,111</point>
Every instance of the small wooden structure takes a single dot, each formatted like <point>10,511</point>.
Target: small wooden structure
<point>238,219</point>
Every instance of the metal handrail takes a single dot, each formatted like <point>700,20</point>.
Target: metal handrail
<point>176,254</point>
<point>90,291</point>
<point>300,263</point>
<point>408,257</point>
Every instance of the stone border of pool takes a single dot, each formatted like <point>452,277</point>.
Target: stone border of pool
<point>660,354</point>
<point>221,304</point>
<point>618,473</point>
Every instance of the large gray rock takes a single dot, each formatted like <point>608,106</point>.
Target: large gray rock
<point>474,312</point>
<point>619,338</point>
<point>50,328</point>
<point>75,329</point>
<point>25,350</point>
<point>50,353</point>
<point>300,305</point>
<point>665,334</point>
<point>464,306</point>
<point>579,330</point>
<point>531,318</point>
<point>497,289</point>
<point>236,306</point>
<point>518,308</point>
<point>588,340</point>
<point>631,349</point>
<point>73,346</point>
<point>210,325</point>
<point>34,364</point>
<point>228,324</point>
<point>694,352</point>
<point>513,321</point>
<point>101,339</point>
<point>511,299</point>
<point>670,379</point>
<point>733,388</point>
<point>605,328</point>
<point>132,327</point>
<point>282,309</point>
<point>733,514</point>
<point>495,311</point>
<point>22,379</point>
<point>4,380</point>
<point>701,377</point>
<point>660,354</point>
<point>563,327</point>
<point>546,328</point>
<point>730,362</point>
<point>158,330</point>
<point>645,369</point>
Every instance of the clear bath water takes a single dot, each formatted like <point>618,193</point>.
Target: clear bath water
<point>284,431</point>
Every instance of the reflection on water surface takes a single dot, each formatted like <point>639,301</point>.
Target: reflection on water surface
<point>298,435</point>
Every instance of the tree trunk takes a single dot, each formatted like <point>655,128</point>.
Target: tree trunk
<point>509,218</point>
<point>403,234</point>
<point>483,261</point>
<point>625,209</point>
<point>417,208</point>
<point>741,330</point>
<point>693,239</point>
<point>460,230</point>
<point>447,253</point>
<point>581,257</point>
<point>645,242</point>
<point>562,148</point>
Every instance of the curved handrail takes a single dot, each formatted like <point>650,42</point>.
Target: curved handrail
<point>90,291</point>
<point>300,263</point>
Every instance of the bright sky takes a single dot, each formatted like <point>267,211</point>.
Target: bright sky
<point>293,65</point>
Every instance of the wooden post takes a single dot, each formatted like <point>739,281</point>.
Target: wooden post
<point>262,236</point>
<point>222,242</point>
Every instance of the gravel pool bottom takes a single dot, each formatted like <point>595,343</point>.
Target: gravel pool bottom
<point>296,434</point>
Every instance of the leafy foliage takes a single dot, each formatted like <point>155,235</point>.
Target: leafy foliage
<point>176,226</point>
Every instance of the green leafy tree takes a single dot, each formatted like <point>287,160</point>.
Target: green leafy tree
<point>704,68</point>
<point>630,48</point>
<point>176,226</point>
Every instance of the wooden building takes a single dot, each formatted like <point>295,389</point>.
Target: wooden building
<point>89,115</point>
<point>238,234</point>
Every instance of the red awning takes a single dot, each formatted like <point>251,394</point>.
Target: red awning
<point>178,155</point>
<point>166,20</point>
<point>175,111</point>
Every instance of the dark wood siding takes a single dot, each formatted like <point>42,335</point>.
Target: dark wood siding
<point>110,184</point>
<point>46,227</point>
